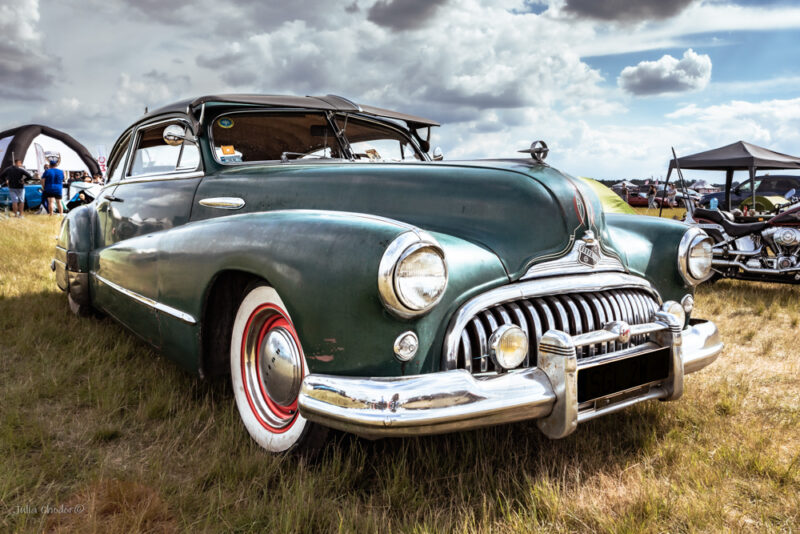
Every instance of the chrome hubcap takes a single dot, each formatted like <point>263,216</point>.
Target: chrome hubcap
<point>280,366</point>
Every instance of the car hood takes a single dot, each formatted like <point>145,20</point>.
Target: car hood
<point>524,212</point>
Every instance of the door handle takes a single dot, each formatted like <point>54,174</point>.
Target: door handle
<point>112,198</point>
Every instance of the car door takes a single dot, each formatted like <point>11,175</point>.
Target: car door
<point>154,195</point>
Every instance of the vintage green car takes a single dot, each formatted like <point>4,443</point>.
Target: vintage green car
<point>312,249</point>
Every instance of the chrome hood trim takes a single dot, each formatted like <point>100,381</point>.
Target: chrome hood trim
<point>571,264</point>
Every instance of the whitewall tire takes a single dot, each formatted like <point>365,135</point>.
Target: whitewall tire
<point>267,369</point>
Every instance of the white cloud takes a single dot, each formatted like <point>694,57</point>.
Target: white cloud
<point>25,68</point>
<point>667,75</point>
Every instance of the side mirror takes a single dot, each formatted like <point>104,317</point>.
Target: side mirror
<point>737,190</point>
<point>790,193</point>
<point>175,135</point>
<point>438,155</point>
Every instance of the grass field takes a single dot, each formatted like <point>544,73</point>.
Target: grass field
<point>100,434</point>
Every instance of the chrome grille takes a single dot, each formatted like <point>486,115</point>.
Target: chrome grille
<point>573,313</point>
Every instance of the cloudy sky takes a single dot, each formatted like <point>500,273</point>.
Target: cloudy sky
<point>609,84</point>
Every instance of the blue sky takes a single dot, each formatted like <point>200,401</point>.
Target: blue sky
<point>610,85</point>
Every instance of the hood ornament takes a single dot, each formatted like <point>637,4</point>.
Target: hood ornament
<point>538,151</point>
<point>589,250</point>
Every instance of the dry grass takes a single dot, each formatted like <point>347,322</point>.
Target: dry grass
<point>667,213</point>
<point>99,434</point>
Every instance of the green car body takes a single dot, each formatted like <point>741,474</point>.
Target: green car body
<point>168,255</point>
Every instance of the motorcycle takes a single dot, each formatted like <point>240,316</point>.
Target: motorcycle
<point>766,250</point>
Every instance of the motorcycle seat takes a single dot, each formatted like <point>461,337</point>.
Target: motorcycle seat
<point>733,229</point>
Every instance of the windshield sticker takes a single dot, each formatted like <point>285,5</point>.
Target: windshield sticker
<point>228,149</point>
<point>225,122</point>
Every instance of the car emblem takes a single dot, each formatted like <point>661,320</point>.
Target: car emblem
<point>588,250</point>
<point>621,329</point>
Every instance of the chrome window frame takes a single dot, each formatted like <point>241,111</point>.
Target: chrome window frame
<point>391,126</point>
<point>123,153</point>
<point>212,144</point>
<point>198,171</point>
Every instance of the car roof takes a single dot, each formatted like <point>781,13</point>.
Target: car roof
<point>325,103</point>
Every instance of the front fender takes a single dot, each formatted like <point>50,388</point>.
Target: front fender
<point>324,265</point>
<point>650,248</point>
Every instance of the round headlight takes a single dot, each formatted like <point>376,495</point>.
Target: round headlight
<point>508,346</point>
<point>420,277</point>
<point>674,308</point>
<point>700,255</point>
<point>412,274</point>
<point>695,255</point>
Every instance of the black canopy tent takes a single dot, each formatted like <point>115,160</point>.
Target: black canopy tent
<point>739,156</point>
<point>23,136</point>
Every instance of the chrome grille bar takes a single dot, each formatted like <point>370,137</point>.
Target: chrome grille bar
<point>577,313</point>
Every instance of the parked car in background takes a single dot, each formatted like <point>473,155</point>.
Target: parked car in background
<point>33,196</point>
<point>766,185</point>
<point>639,200</point>
<point>309,248</point>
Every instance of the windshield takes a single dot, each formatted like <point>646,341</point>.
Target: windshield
<point>246,137</point>
<point>265,136</point>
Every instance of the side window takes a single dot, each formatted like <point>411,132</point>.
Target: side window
<point>117,158</point>
<point>152,155</point>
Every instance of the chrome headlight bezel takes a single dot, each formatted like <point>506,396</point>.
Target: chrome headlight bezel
<point>398,250</point>
<point>693,238</point>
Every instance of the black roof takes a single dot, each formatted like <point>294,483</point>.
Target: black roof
<point>326,103</point>
<point>737,156</point>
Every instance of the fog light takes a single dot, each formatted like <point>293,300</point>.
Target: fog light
<point>508,346</point>
<point>688,303</point>
<point>675,309</point>
<point>405,346</point>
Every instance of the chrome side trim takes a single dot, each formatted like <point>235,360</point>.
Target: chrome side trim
<point>569,264</point>
<point>225,203</point>
<point>178,314</point>
<point>534,288</point>
<point>160,177</point>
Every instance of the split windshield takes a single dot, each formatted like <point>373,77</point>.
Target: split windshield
<point>268,136</point>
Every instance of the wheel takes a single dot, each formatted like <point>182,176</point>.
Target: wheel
<point>267,369</point>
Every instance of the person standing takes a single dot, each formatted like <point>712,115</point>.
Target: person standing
<point>625,192</point>
<point>15,176</point>
<point>53,179</point>
<point>671,194</point>
<point>651,197</point>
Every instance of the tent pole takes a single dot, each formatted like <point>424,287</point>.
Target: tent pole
<point>666,183</point>
<point>687,201</point>
<point>728,182</point>
<point>753,184</point>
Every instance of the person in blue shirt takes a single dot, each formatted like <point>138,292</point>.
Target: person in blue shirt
<point>53,180</point>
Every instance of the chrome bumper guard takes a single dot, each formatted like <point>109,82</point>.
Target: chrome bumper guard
<point>455,400</point>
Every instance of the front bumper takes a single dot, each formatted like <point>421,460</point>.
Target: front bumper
<point>456,400</point>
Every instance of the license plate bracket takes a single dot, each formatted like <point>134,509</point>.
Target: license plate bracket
<point>623,374</point>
